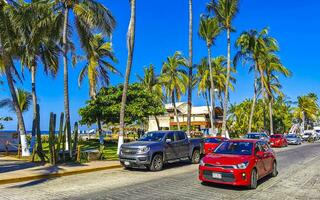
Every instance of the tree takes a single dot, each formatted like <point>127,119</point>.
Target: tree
<point>130,46</point>
<point>36,24</point>
<point>307,109</point>
<point>4,119</point>
<point>9,49</point>
<point>190,67</point>
<point>174,79</point>
<point>24,101</point>
<point>88,15</point>
<point>107,105</point>
<point>151,83</point>
<point>225,11</point>
<point>253,49</point>
<point>209,30</point>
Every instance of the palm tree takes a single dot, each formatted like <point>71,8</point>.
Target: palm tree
<point>9,49</point>
<point>225,11</point>
<point>307,108</point>
<point>253,48</point>
<point>24,101</point>
<point>209,30</point>
<point>88,15</point>
<point>35,22</point>
<point>190,68</point>
<point>98,53</point>
<point>174,79</point>
<point>151,82</point>
<point>130,46</point>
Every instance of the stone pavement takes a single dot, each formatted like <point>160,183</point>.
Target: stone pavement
<point>13,170</point>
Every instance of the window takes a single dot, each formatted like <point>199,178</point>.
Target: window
<point>170,136</point>
<point>180,135</point>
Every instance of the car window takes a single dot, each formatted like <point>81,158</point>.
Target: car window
<point>257,148</point>
<point>252,136</point>
<point>265,146</point>
<point>170,135</point>
<point>180,135</point>
<point>235,148</point>
<point>213,140</point>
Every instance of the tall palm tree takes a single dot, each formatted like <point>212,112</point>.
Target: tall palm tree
<point>98,55</point>
<point>152,84</point>
<point>9,49</point>
<point>88,15</point>
<point>190,67</point>
<point>253,49</point>
<point>174,79</point>
<point>225,11</point>
<point>36,24</point>
<point>209,30</point>
<point>130,46</point>
<point>307,108</point>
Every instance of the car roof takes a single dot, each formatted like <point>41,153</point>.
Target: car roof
<point>220,137</point>
<point>244,140</point>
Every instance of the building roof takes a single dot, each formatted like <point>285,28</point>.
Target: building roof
<point>182,107</point>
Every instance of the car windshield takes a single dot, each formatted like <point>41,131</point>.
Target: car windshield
<point>152,136</point>
<point>308,134</point>
<point>275,136</point>
<point>252,136</point>
<point>291,136</point>
<point>235,148</point>
<point>213,140</point>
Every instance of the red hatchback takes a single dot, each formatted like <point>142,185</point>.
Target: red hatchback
<point>278,140</point>
<point>239,162</point>
<point>211,143</point>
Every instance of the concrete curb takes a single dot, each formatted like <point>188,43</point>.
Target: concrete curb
<point>55,175</point>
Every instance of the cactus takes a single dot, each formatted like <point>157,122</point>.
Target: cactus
<point>52,140</point>
<point>75,141</point>
<point>60,136</point>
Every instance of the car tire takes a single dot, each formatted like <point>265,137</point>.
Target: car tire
<point>156,163</point>
<point>254,179</point>
<point>195,158</point>
<point>274,172</point>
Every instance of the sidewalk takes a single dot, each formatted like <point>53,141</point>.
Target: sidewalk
<point>13,170</point>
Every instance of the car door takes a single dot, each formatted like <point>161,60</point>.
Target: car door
<point>183,144</point>
<point>259,160</point>
<point>169,146</point>
<point>268,156</point>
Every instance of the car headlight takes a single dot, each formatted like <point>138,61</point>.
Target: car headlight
<point>144,150</point>
<point>201,163</point>
<point>242,165</point>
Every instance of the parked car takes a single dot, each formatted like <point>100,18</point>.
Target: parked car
<point>309,135</point>
<point>211,143</point>
<point>239,162</point>
<point>257,136</point>
<point>155,148</point>
<point>278,140</point>
<point>293,139</point>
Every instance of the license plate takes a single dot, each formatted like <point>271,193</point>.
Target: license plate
<point>272,143</point>
<point>126,163</point>
<point>216,175</point>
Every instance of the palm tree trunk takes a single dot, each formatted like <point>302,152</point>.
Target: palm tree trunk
<point>264,97</point>
<point>253,100</point>
<point>34,102</point>
<point>21,125</point>
<point>270,116</point>
<point>190,69</point>
<point>130,46</point>
<point>175,109</point>
<point>226,93</point>
<point>209,110</point>
<point>212,96</point>
<point>65,79</point>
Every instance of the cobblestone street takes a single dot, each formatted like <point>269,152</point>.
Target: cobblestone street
<point>299,178</point>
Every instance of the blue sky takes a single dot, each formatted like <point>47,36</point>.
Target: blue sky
<point>162,29</point>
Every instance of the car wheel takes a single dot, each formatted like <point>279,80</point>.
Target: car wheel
<point>274,170</point>
<point>254,179</point>
<point>156,163</point>
<point>195,158</point>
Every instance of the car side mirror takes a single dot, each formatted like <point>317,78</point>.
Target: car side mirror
<point>168,140</point>
<point>260,154</point>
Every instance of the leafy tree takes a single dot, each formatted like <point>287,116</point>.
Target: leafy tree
<point>4,119</point>
<point>225,10</point>
<point>107,105</point>
<point>307,109</point>
<point>174,79</point>
<point>209,30</point>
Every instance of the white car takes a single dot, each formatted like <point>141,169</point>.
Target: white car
<point>309,135</point>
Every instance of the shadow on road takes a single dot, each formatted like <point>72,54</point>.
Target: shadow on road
<point>9,165</point>
<point>166,166</point>
<point>31,183</point>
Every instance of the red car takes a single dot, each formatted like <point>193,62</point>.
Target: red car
<point>211,143</point>
<point>239,162</point>
<point>278,140</point>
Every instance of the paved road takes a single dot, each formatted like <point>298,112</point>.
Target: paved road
<point>299,178</point>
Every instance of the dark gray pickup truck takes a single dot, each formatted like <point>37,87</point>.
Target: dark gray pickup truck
<point>155,148</point>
